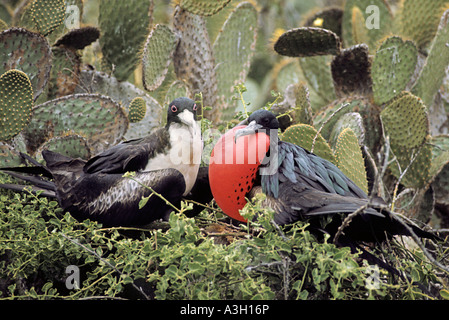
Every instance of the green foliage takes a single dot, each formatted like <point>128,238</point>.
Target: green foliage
<point>185,261</point>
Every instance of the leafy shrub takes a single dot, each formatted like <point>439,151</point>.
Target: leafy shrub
<point>184,259</point>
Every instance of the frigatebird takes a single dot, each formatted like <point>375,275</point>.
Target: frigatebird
<point>299,186</point>
<point>167,161</point>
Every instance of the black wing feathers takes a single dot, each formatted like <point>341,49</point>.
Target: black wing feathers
<point>132,155</point>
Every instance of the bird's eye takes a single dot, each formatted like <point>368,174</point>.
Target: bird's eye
<point>195,107</point>
<point>174,108</point>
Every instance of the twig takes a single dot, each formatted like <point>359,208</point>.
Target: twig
<point>420,244</point>
<point>347,221</point>
<point>324,123</point>
<point>104,261</point>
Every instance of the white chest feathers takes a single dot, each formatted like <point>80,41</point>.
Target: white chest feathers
<point>185,152</point>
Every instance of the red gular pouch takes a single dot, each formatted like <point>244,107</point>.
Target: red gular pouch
<point>233,169</point>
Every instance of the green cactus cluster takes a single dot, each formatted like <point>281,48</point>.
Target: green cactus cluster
<point>98,118</point>
<point>381,87</point>
<point>210,68</point>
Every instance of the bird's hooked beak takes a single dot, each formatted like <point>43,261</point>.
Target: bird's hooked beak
<point>251,128</point>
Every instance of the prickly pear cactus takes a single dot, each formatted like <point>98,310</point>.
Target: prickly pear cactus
<point>29,52</point>
<point>352,120</point>
<point>98,118</point>
<point>194,60</point>
<point>304,136</point>
<point>124,26</point>
<point>177,89</point>
<point>393,66</point>
<point>71,145</point>
<point>434,71</point>
<point>306,42</point>
<point>64,73</point>
<point>417,161</point>
<point>319,77</point>
<point>10,157</point>
<point>47,15</point>
<point>137,110</point>
<point>418,19</point>
<point>203,7</point>
<point>349,158</point>
<point>157,55</point>
<point>16,103</point>
<point>405,121</point>
<point>233,53</point>
<point>366,20</point>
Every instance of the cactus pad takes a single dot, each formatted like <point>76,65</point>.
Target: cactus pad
<point>194,60</point>
<point>306,42</point>
<point>434,71</point>
<point>157,55</point>
<point>70,145</point>
<point>329,18</point>
<point>47,15</point>
<point>98,118</point>
<point>350,159</point>
<point>367,21</point>
<point>318,74</point>
<point>9,157</point>
<point>79,38</point>
<point>393,66</point>
<point>405,121</point>
<point>16,103</point>
<point>352,120</point>
<point>64,72</point>
<point>233,53</point>
<point>303,136</point>
<point>29,52</point>
<point>418,173</point>
<point>124,26</point>
<point>137,110</point>
<point>418,19</point>
<point>203,7</point>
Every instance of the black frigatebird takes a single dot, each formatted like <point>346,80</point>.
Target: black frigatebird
<point>167,161</point>
<point>298,185</point>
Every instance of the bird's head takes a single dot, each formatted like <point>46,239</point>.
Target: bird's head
<point>259,120</point>
<point>182,111</point>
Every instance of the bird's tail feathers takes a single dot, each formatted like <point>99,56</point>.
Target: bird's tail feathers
<point>34,174</point>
